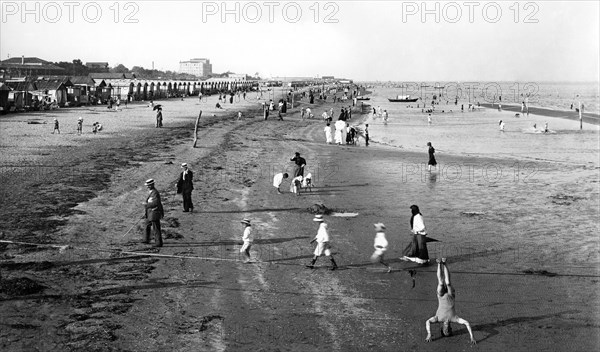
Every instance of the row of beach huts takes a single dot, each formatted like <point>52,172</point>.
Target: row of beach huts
<point>47,92</point>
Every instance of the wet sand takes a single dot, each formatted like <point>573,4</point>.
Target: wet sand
<point>521,245</point>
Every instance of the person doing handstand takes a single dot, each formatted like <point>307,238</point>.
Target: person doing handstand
<point>445,313</point>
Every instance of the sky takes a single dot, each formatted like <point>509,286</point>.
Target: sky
<point>531,41</point>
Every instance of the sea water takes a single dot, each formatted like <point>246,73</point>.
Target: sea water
<point>463,132</point>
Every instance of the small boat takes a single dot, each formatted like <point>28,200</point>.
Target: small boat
<point>363,98</point>
<point>403,99</point>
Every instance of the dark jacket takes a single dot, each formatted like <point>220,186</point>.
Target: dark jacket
<point>187,185</point>
<point>154,208</point>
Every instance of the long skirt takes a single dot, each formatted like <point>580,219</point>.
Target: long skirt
<point>412,250</point>
<point>417,248</point>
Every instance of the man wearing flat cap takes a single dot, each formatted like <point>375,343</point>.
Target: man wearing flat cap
<point>185,186</point>
<point>153,213</point>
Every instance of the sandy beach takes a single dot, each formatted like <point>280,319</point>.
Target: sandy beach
<point>515,213</point>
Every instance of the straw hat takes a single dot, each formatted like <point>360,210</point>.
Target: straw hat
<point>318,218</point>
<point>80,118</point>
<point>149,182</point>
<point>184,165</point>
<point>379,226</point>
<point>246,221</point>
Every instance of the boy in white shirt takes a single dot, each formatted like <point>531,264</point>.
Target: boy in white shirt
<point>278,179</point>
<point>380,245</point>
<point>247,238</point>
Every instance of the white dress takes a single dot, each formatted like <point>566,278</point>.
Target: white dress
<point>340,127</point>
<point>277,180</point>
<point>322,241</point>
<point>380,245</point>
<point>247,238</point>
<point>328,136</point>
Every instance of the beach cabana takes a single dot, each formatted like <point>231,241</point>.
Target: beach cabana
<point>55,89</point>
<point>83,87</point>
<point>19,96</point>
<point>4,90</point>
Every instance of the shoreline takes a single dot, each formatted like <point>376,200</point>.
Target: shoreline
<point>587,117</point>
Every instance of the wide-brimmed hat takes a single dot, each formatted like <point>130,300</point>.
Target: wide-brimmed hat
<point>379,226</point>
<point>80,118</point>
<point>245,221</point>
<point>318,218</point>
<point>184,165</point>
<point>149,182</point>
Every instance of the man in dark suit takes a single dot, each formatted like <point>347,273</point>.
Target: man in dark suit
<point>153,213</point>
<point>185,187</point>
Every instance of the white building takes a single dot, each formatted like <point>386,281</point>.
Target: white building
<point>197,67</point>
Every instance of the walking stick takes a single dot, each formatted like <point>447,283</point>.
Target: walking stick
<point>132,226</point>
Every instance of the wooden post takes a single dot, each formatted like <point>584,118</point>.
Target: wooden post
<point>196,129</point>
<point>580,117</point>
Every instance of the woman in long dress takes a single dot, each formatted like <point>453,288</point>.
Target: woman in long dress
<point>431,161</point>
<point>339,130</point>
<point>416,251</point>
<point>328,137</point>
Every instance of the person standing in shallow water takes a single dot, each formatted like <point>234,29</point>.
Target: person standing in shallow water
<point>432,161</point>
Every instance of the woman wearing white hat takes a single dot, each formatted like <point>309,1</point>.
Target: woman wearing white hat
<point>380,245</point>
<point>322,240</point>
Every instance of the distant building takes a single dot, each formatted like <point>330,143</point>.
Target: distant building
<point>29,66</point>
<point>196,67</point>
<point>96,66</point>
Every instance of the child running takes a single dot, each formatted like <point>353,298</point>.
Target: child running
<point>247,238</point>
<point>380,245</point>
